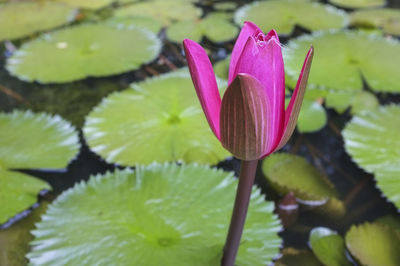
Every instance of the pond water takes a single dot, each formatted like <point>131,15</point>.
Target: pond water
<point>324,148</point>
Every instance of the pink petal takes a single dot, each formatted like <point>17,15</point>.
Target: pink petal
<point>204,82</point>
<point>249,29</point>
<point>262,58</point>
<point>293,109</point>
<point>245,111</point>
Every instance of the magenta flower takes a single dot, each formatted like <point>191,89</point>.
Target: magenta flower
<point>250,121</point>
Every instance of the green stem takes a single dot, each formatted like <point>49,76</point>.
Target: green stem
<point>246,181</point>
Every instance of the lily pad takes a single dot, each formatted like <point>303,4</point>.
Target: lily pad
<point>358,3</point>
<point>160,215</point>
<point>81,51</point>
<point>87,4</point>
<point>388,19</point>
<point>372,141</point>
<point>284,15</point>
<point>301,177</point>
<point>20,19</point>
<point>344,58</point>
<point>215,27</point>
<point>29,141</point>
<point>363,101</point>
<point>312,116</point>
<point>17,192</point>
<point>159,119</point>
<point>374,244</point>
<point>165,12</point>
<point>136,22</point>
<point>329,247</point>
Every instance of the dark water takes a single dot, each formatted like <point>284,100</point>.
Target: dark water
<point>73,101</point>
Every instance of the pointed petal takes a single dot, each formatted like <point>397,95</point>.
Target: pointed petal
<point>293,109</point>
<point>263,60</point>
<point>204,82</point>
<point>248,29</point>
<point>245,111</point>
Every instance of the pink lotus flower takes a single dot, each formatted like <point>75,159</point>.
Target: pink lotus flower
<point>250,121</point>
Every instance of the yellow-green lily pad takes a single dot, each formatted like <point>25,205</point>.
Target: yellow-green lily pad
<point>387,19</point>
<point>284,15</point>
<point>81,51</point>
<point>374,244</point>
<point>215,27</point>
<point>344,59</point>
<point>20,19</point>
<point>87,4</point>
<point>328,247</point>
<point>301,177</point>
<point>372,140</point>
<point>358,3</point>
<point>159,119</point>
<point>29,141</point>
<point>165,12</point>
<point>166,215</point>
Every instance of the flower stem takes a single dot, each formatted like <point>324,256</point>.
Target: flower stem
<point>246,180</point>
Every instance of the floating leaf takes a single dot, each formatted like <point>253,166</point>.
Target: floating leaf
<point>329,247</point>
<point>374,244</point>
<point>388,19</point>
<point>372,140</point>
<point>30,140</point>
<point>301,177</point>
<point>159,119</point>
<point>82,51</point>
<point>343,59</point>
<point>284,15</point>
<point>20,19</point>
<point>390,220</point>
<point>136,22</point>
<point>215,27</point>
<point>17,192</point>
<point>155,215</point>
<point>165,12</point>
<point>221,68</point>
<point>87,4</point>
<point>358,3</point>
<point>312,116</point>
<point>14,240</point>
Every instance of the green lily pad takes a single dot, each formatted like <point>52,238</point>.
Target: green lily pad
<point>329,247</point>
<point>388,19</point>
<point>136,22</point>
<point>155,215</point>
<point>312,116</point>
<point>372,141</point>
<point>358,3</point>
<point>165,12</point>
<point>284,15</point>
<point>363,102</point>
<point>221,68</point>
<point>374,244</point>
<point>14,240</point>
<point>81,51</point>
<point>159,119</point>
<point>343,59</point>
<point>87,4</point>
<point>390,220</point>
<point>20,19</point>
<point>215,27</point>
<point>27,141</point>
<point>17,192</point>
<point>301,177</point>
<point>30,140</point>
